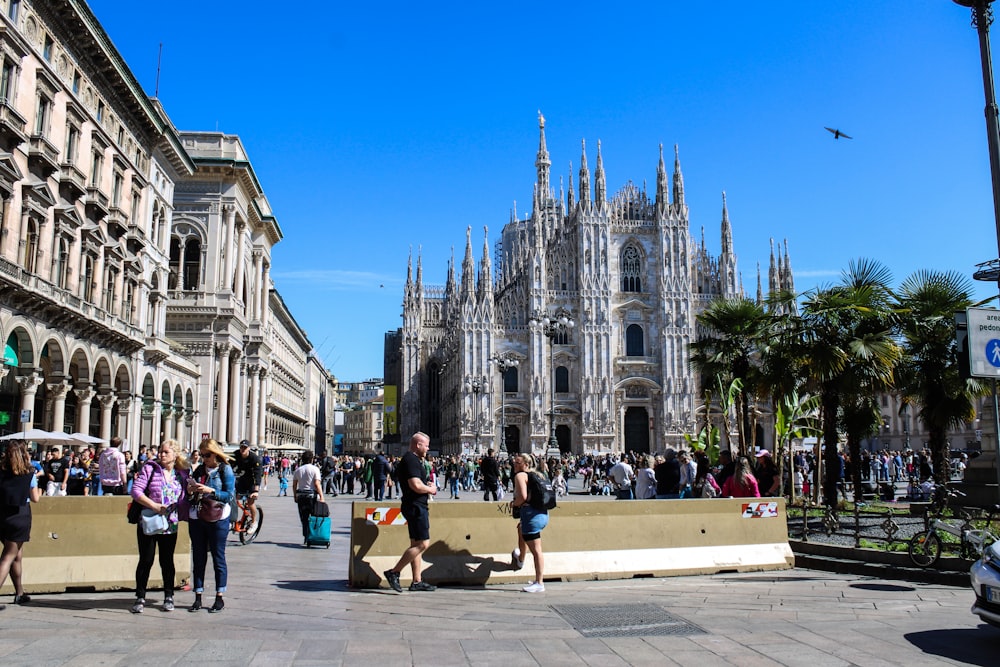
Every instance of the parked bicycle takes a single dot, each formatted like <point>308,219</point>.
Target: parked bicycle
<point>925,547</point>
<point>245,526</point>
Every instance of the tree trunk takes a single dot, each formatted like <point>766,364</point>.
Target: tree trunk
<point>830,459</point>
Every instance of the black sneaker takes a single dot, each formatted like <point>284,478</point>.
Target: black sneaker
<point>23,598</point>
<point>422,586</point>
<point>218,606</point>
<point>392,578</point>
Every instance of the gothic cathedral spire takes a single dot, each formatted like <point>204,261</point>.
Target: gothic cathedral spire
<point>542,162</point>
<point>584,175</point>
<point>661,184</point>
<point>600,186</point>
<point>484,290</point>
<point>678,180</point>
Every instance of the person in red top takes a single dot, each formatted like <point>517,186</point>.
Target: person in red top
<point>742,483</point>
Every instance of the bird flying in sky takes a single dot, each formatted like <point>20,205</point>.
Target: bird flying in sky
<point>837,134</point>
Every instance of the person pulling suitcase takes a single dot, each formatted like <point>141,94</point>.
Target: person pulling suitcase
<point>307,487</point>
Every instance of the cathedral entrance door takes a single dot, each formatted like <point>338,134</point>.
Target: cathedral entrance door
<point>563,437</point>
<point>637,430</point>
<point>512,440</point>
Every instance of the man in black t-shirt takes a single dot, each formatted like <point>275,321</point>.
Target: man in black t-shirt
<point>248,471</point>
<point>413,481</point>
<point>56,473</point>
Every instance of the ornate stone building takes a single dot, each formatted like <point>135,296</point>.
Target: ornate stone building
<point>135,297</point>
<point>584,325</point>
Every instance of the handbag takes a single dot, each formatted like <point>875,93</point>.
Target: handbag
<point>134,512</point>
<point>211,511</point>
<point>320,508</point>
<point>153,523</point>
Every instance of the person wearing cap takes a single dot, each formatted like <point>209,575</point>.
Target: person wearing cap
<point>247,468</point>
<point>767,474</point>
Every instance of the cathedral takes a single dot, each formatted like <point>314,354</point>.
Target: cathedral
<point>574,333</point>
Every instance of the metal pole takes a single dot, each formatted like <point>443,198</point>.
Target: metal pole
<point>503,412</point>
<point>996,431</point>
<point>553,441</point>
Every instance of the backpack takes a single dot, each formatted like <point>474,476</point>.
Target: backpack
<point>541,495</point>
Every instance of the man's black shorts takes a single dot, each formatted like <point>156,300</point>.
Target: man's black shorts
<point>417,521</point>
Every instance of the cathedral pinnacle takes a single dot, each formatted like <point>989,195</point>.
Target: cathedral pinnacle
<point>661,182</point>
<point>678,179</point>
<point>600,186</point>
<point>542,162</point>
<point>584,175</point>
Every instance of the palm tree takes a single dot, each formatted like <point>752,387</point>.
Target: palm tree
<point>930,375</point>
<point>737,327</point>
<point>851,353</point>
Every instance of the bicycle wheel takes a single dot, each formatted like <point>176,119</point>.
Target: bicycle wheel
<point>253,530</point>
<point>925,549</point>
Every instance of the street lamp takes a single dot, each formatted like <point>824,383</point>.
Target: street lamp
<point>475,385</point>
<point>555,327</point>
<point>504,364</point>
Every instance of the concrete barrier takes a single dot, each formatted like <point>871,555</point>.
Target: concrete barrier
<point>471,541</point>
<point>86,543</point>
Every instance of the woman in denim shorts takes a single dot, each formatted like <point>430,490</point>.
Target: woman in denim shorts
<point>532,521</point>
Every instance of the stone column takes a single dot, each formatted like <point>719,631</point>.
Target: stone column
<point>168,422</point>
<point>265,295</point>
<point>124,412</point>
<point>99,282</point>
<point>262,407</point>
<point>156,436</point>
<point>29,387</point>
<point>255,297</point>
<point>227,272</point>
<point>222,401</point>
<point>253,435</point>
<point>107,402</point>
<point>236,412</point>
<point>83,399</point>
<point>240,257</point>
<point>57,392</point>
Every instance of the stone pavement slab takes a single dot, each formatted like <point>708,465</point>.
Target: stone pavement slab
<point>288,605</point>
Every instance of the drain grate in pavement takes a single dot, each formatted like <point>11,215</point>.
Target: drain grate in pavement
<point>625,620</point>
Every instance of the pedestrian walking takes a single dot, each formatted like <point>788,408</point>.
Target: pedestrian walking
<point>18,486</point>
<point>413,478</point>
<point>528,507</point>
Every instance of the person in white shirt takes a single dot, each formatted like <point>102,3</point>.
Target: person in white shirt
<point>623,475</point>
<point>307,486</point>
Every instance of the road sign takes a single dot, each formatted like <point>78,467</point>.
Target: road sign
<point>25,416</point>
<point>984,342</point>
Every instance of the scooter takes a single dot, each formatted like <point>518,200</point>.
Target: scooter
<point>985,579</point>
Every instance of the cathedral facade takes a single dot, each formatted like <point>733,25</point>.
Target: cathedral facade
<point>576,333</point>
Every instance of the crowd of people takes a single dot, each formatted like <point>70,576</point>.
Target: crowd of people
<point>169,486</point>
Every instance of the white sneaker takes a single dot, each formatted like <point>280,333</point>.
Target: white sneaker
<point>515,560</point>
<point>536,587</point>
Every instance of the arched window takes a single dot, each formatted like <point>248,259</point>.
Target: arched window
<point>31,247</point>
<point>631,269</point>
<point>192,263</point>
<point>562,380</point>
<point>634,346</point>
<point>87,279</point>
<point>510,380</point>
<point>62,264</point>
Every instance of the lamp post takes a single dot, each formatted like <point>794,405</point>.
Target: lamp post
<point>982,16</point>
<point>555,327</point>
<point>475,385</point>
<point>504,364</point>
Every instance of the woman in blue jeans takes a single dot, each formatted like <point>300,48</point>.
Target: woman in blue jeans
<point>210,490</point>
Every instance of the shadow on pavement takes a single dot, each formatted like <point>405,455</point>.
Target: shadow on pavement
<point>972,647</point>
<point>58,601</point>
<point>314,585</point>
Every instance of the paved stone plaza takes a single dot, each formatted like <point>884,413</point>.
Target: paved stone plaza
<point>288,605</point>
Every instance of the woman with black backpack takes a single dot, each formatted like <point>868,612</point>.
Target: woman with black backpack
<point>529,507</point>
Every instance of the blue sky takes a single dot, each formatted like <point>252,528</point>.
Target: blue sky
<point>377,128</point>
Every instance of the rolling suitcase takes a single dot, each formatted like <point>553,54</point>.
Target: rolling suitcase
<point>319,532</point>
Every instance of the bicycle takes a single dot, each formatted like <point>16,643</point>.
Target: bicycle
<point>246,529</point>
<point>925,548</point>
